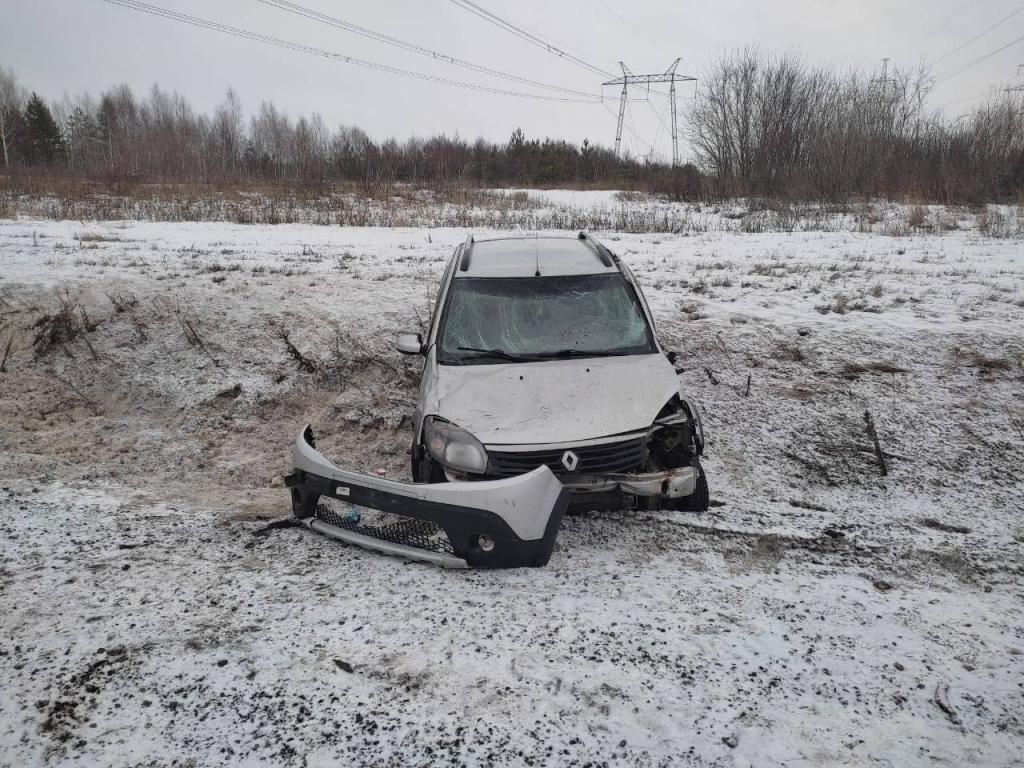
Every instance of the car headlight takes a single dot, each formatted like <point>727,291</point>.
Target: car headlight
<point>453,446</point>
<point>698,424</point>
<point>682,410</point>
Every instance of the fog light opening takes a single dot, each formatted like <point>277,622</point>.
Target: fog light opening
<point>485,542</point>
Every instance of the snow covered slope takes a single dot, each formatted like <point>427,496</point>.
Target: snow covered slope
<point>820,614</point>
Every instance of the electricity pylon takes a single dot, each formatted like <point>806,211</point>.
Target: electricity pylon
<point>1017,87</point>
<point>668,76</point>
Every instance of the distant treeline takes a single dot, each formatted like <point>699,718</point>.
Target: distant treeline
<point>123,137</point>
<point>761,125</point>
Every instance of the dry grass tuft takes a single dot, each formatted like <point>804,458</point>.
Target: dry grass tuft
<point>68,324</point>
<point>791,352</point>
<point>853,370</point>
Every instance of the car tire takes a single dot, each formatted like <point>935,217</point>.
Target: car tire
<point>700,499</point>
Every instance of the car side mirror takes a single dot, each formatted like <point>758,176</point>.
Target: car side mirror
<point>409,343</point>
<point>671,357</point>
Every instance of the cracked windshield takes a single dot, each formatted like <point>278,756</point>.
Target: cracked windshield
<point>537,318</point>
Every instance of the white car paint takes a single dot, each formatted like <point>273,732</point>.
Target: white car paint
<point>554,401</point>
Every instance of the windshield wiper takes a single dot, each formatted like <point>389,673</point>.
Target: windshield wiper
<point>499,353</point>
<point>526,358</point>
<point>582,353</point>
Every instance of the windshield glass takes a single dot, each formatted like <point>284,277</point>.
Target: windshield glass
<point>495,320</point>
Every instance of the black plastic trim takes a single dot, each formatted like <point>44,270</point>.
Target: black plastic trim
<point>463,525</point>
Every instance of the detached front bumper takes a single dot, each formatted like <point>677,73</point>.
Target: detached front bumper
<point>504,523</point>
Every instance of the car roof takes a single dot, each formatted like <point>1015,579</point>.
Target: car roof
<point>526,256</point>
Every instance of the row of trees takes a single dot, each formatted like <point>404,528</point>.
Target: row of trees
<point>159,137</point>
<point>27,132</point>
<point>766,124</point>
<point>761,125</point>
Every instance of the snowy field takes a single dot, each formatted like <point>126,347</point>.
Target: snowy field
<point>819,615</point>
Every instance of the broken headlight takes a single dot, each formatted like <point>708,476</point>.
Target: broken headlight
<point>453,446</point>
<point>698,425</point>
<point>677,434</point>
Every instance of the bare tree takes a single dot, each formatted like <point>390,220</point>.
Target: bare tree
<point>12,101</point>
<point>762,125</point>
<point>228,134</point>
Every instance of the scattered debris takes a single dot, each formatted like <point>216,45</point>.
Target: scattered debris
<point>941,699</point>
<point>807,505</point>
<point>869,424</point>
<point>231,393</point>
<point>937,525</point>
<point>274,525</point>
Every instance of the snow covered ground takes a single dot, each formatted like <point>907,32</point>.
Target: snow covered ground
<point>820,614</point>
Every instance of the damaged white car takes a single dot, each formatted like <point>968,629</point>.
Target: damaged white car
<point>544,386</point>
<point>542,351</point>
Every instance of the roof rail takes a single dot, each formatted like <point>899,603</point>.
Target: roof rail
<point>603,253</point>
<point>467,249</point>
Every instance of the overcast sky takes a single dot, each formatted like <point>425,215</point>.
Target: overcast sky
<point>59,46</point>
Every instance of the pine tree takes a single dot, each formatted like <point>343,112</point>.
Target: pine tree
<point>83,136</point>
<point>44,142</point>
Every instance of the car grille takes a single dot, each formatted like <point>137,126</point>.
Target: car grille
<point>593,459</point>
<point>408,531</point>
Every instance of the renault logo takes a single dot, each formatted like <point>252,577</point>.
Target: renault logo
<point>570,460</point>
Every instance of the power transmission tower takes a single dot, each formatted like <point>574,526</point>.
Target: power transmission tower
<point>885,80</point>
<point>1017,87</point>
<point>668,76</point>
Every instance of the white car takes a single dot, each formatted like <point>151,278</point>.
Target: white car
<point>542,351</point>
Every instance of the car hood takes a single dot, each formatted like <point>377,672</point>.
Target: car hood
<point>555,401</point>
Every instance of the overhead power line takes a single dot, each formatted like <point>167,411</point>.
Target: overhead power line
<point>196,21</point>
<point>954,72</point>
<point>629,24</point>
<point>965,98</point>
<point>980,34</point>
<point>508,26</point>
<point>300,10</point>
<point>629,127</point>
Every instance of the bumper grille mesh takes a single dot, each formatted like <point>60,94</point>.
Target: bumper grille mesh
<point>619,456</point>
<point>421,534</point>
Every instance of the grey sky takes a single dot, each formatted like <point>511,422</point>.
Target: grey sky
<point>58,46</point>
